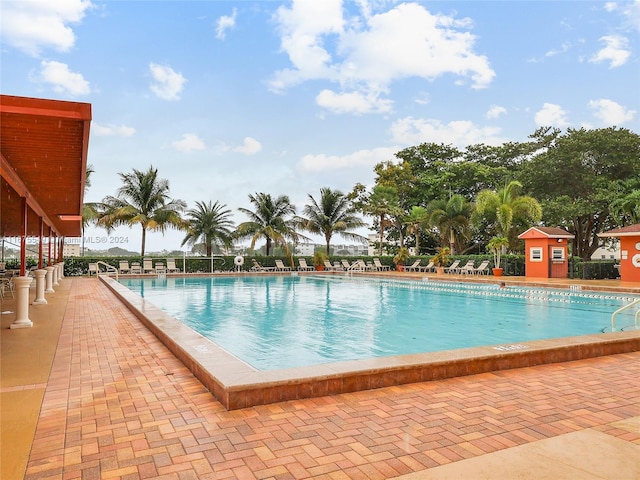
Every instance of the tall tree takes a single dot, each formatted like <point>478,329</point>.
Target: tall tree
<point>271,219</point>
<point>382,204</point>
<point>417,219</point>
<point>333,214</point>
<point>506,211</point>
<point>452,219</point>
<point>90,210</point>
<point>575,179</point>
<point>143,199</point>
<point>209,223</point>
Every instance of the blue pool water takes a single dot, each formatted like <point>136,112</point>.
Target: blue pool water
<point>274,322</point>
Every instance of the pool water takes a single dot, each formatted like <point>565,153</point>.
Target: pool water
<point>274,322</point>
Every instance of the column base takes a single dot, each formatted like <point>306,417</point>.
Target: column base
<point>22,324</point>
<point>40,302</point>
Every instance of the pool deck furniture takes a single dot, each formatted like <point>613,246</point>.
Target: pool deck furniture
<point>147,266</point>
<point>430,267</point>
<point>281,267</point>
<point>123,267</point>
<point>160,267</point>
<point>414,267</point>
<point>151,417</point>
<point>482,269</point>
<point>302,265</point>
<point>467,268</point>
<point>171,266</point>
<point>379,266</point>
<point>136,268</point>
<point>453,268</point>
<point>256,267</point>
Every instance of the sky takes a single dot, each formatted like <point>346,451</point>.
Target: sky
<point>232,98</point>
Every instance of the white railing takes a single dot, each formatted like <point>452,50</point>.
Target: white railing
<point>625,307</point>
<point>109,268</point>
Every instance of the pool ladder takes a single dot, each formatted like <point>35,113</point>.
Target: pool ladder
<point>625,307</point>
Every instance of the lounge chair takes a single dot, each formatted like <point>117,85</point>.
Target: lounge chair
<point>331,268</point>
<point>430,267</point>
<point>346,265</point>
<point>469,267</point>
<point>256,267</point>
<point>147,266</point>
<point>93,269</point>
<point>171,266</point>
<point>136,268</point>
<point>414,267</point>
<point>160,267</point>
<point>379,266</point>
<point>123,267</point>
<point>483,268</point>
<point>453,267</point>
<point>281,267</point>
<point>302,265</point>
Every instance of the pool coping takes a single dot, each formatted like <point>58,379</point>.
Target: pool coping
<point>235,384</point>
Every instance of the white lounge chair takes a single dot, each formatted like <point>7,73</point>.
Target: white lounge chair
<point>136,268</point>
<point>483,268</point>
<point>171,266</point>
<point>379,266</point>
<point>469,267</point>
<point>123,267</point>
<point>302,265</point>
<point>430,267</point>
<point>93,269</point>
<point>414,267</point>
<point>331,268</point>
<point>453,267</point>
<point>256,267</point>
<point>147,266</point>
<point>160,267</point>
<point>281,267</point>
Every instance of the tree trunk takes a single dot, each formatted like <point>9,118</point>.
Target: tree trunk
<point>144,238</point>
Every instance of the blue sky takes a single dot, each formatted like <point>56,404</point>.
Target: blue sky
<point>229,98</point>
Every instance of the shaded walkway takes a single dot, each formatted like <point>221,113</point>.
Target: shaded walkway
<point>119,405</point>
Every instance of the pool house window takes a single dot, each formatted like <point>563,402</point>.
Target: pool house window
<point>535,254</point>
<point>557,254</point>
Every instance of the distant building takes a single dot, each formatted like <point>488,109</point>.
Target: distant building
<point>71,249</point>
<point>611,252</point>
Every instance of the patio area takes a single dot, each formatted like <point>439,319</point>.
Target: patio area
<point>89,392</point>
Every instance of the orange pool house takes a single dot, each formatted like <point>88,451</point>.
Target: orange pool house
<point>546,252</point>
<point>629,251</point>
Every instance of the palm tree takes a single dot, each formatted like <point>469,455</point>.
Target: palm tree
<point>418,217</point>
<point>269,220</point>
<point>142,199</point>
<point>452,220</point>
<point>382,203</point>
<point>334,214</point>
<point>506,210</point>
<point>90,211</point>
<point>627,208</point>
<point>211,224</point>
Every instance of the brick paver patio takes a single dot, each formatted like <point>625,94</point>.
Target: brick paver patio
<point>119,405</point>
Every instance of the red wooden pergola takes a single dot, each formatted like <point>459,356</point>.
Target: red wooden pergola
<point>43,159</point>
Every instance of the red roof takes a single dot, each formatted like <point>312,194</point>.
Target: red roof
<point>546,232</point>
<point>628,231</point>
<point>43,158</point>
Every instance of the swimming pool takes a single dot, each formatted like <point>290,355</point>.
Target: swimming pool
<point>278,322</point>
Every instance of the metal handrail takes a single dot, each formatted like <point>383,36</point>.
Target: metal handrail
<point>110,268</point>
<point>625,307</point>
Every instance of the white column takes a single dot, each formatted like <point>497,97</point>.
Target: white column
<point>61,275</point>
<point>22,302</point>
<point>40,281</point>
<point>49,287</point>
<point>55,276</point>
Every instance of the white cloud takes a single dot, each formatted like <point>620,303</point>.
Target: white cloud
<point>461,133</point>
<point>362,158</point>
<point>408,40</point>
<point>167,83</point>
<point>610,6</point>
<point>352,102</point>
<point>551,115</point>
<point>190,142</point>
<point>62,79</point>
<point>112,130</point>
<point>611,113</point>
<point>34,25</point>
<point>250,146</point>
<point>616,51</point>
<point>225,23</point>
<point>495,111</point>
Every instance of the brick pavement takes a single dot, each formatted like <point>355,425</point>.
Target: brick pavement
<point>118,404</point>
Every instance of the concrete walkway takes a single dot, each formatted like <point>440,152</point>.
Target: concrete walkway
<point>88,393</point>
